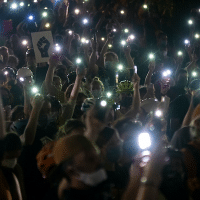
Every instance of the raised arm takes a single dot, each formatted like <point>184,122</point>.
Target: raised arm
<point>28,136</point>
<point>48,83</point>
<point>70,105</point>
<point>129,59</point>
<point>150,72</point>
<point>2,120</point>
<point>4,53</point>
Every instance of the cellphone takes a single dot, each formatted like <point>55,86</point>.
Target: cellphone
<point>135,69</point>
<point>100,110</point>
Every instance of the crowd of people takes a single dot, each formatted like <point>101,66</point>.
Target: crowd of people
<point>113,114</point>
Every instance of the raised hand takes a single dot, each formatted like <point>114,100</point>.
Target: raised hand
<point>38,101</point>
<point>43,46</point>
<point>54,60</point>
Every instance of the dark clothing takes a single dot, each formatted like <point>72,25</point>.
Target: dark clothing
<point>175,91</point>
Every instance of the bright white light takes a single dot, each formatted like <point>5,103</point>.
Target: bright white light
<point>85,21</point>
<point>194,74</point>
<point>190,22</point>
<point>57,47</point>
<point>44,14</point>
<point>87,41</point>
<point>197,36</point>
<point>21,79</point>
<point>35,1</point>
<point>132,37</point>
<point>120,67</point>
<point>186,41</point>
<point>122,12</point>
<point>78,61</point>
<point>114,30</point>
<point>45,8</point>
<point>110,45</point>
<point>24,42</point>
<point>145,6</point>
<point>167,73</point>
<point>151,56</point>
<point>30,17</point>
<point>199,10</point>
<point>126,30</point>
<point>21,4</point>
<point>146,153</point>
<point>47,25</point>
<point>6,73</point>
<point>83,40</point>
<point>77,11</point>
<point>14,6</point>
<point>109,94</point>
<point>34,90</point>
<point>70,32</point>
<point>102,39</point>
<point>123,42</point>
<point>180,53</point>
<point>29,4</point>
<point>144,140</point>
<point>5,1</point>
<point>103,103</point>
<point>158,113</point>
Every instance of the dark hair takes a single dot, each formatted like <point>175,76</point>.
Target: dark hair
<point>104,136</point>
<point>12,142</point>
<point>181,71</point>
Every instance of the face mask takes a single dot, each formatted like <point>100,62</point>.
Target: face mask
<point>9,163</point>
<point>96,93</point>
<point>93,179</point>
<point>113,154</point>
<point>126,102</point>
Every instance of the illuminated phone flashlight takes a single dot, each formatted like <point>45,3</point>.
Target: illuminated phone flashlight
<point>194,74</point>
<point>103,103</point>
<point>120,66</point>
<point>5,1</point>
<point>131,37</point>
<point>57,47</point>
<point>85,21</point>
<point>145,6</point>
<point>151,56</point>
<point>21,79</point>
<point>158,113</point>
<point>45,8</point>
<point>24,42</point>
<point>102,39</point>
<point>76,11</point>
<point>144,140</point>
<point>35,1</point>
<point>114,30</point>
<point>35,90</point>
<point>13,6</point>
<point>6,73</point>
<point>44,14</point>
<point>30,17</point>
<point>110,46</point>
<point>47,25</point>
<point>78,61</point>
<point>21,4</point>
<point>190,22</point>
<point>29,4</point>
<point>126,30</point>
<point>167,73</point>
<point>83,40</point>
<point>122,12</point>
<point>197,36</point>
<point>123,42</point>
<point>180,53</point>
<point>109,94</point>
<point>70,32</point>
<point>187,42</point>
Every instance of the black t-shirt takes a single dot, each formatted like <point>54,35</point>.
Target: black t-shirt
<point>175,91</point>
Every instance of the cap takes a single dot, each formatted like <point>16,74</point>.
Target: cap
<point>24,72</point>
<point>69,146</point>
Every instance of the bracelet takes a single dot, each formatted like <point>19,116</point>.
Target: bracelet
<point>146,182</point>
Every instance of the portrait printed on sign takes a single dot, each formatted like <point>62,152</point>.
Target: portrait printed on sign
<point>42,44</point>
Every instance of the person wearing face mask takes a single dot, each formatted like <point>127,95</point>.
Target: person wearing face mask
<point>181,85</point>
<point>79,173</point>
<point>97,88</point>
<point>11,170</point>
